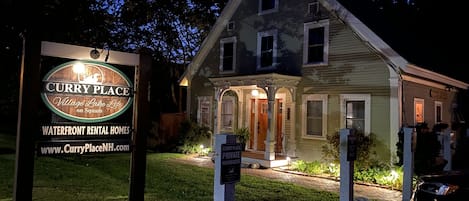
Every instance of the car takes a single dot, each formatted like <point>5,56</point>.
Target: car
<point>445,186</point>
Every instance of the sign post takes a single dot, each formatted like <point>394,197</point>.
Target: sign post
<point>409,146</point>
<point>348,153</point>
<point>227,167</point>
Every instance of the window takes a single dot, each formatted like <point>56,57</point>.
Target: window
<point>313,8</point>
<point>355,110</point>
<point>230,26</point>
<point>227,113</point>
<point>204,111</point>
<point>418,111</point>
<point>314,120</point>
<point>227,54</point>
<point>316,43</point>
<point>268,6</point>
<point>438,112</point>
<point>266,49</point>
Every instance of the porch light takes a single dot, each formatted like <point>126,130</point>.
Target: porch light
<point>255,92</point>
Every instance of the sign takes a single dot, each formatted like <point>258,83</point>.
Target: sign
<point>77,147</point>
<point>351,147</point>
<point>75,131</point>
<point>230,163</point>
<point>86,91</point>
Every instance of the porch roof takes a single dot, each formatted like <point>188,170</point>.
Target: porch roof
<point>271,79</point>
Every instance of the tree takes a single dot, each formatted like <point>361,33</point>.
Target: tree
<point>172,30</point>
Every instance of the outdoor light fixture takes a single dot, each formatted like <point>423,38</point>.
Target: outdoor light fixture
<point>94,53</point>
<point>78,68</point>
<point>255,92</point>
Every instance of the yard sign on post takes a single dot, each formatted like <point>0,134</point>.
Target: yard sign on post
<point>88,101</point>
<point>227,167</point>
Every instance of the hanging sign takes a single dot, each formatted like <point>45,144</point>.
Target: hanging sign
<point>87,92</point>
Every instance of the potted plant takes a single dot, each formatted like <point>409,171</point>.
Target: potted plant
<point>242,136</point>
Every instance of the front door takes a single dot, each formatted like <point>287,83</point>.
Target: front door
<point>262,124</point>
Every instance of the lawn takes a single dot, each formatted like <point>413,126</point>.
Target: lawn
<point>106,177</point>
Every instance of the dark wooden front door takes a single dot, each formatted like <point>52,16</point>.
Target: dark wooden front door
<point>262,124</point>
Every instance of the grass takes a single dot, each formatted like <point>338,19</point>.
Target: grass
<point>106,177</point>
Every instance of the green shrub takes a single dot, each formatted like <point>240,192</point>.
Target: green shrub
<point>191,136</point>
<point>380,175</point>
<point>365,155</point>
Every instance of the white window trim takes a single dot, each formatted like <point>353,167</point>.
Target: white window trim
<point>222,50</point>
<point>312,25</point>
<point>440,104</point>
<point>233,120</point>
<point>314,97</point>
<point>316,6</point>
<point>416,100</point>
<point>230,26</point>
<point>356,97</point>
<point>274,47</point>
<point>263,12</point>
<point>199,112</point>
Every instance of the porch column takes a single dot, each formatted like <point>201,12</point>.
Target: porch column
<point>291,143</point>
<point>218,98</point>
<point>269,153</point>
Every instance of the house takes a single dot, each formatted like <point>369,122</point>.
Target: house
<point>295,71</point>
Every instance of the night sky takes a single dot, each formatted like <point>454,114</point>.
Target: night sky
<point>431,35</point>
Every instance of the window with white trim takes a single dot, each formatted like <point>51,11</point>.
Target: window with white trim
<point>419,110</point>
<point>314,116</point>
<point>316,43</point>
<point>266,49</point>
<point>356,112</point>
<point>227,55</point>
<point>204,111</point>
<point>438,112</point>
<point>227,113</point>
<point>268,6</point>
<point>313,8</point>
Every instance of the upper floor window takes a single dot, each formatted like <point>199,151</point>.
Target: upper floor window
<point>314,117</point>
<point>268,6</point>
<point>438,112</point>
<point>266,49</point>
<point>227,54</point>
<point>313,8</point>
<point>316,43</point>
<point>230,26</point>
<point>356,111</point>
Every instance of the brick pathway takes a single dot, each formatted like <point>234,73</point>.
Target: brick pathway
<point>361,192</point>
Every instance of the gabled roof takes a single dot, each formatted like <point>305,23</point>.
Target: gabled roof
<point>396,61</point>
<point>210,40</point>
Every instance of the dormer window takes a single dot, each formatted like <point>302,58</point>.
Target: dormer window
<point>268,6</point>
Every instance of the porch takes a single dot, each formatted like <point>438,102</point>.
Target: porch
<point>257,157</point>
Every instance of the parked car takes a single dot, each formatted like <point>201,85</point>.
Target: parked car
<point>451,185</point>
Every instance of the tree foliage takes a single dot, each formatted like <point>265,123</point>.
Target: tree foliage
<point>172,30</point>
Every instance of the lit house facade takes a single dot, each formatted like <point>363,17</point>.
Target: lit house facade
<point>295,71</point>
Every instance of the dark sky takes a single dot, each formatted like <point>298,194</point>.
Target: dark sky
<point>430,34</point>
